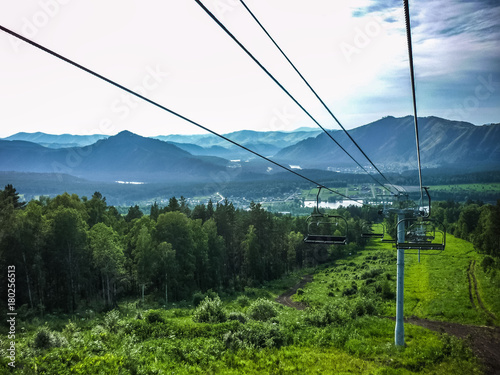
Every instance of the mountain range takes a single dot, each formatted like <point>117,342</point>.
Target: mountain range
<point>389,143</point>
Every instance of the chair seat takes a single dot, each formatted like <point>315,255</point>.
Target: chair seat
<point>372,235</point>
<point>325,239</point>
<point>420,246</point>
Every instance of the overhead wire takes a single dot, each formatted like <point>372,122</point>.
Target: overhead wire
<point>413,91</point>
<point>314,92</point>
<point>142,97</point>
<point>221,25</point>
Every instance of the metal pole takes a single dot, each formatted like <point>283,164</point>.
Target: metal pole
<point>400,330</point>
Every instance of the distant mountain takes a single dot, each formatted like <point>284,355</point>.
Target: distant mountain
<point>390,144</point>
<point>124,157</point>
<point>57,141</point>
<point>276,139</point>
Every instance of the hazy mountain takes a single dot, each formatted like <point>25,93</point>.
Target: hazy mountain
<point>390,144</point>
<point>124,157</point>
<point>57,141</point>
<point>276,139</point>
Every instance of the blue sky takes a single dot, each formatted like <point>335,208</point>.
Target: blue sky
<point>353,52</point>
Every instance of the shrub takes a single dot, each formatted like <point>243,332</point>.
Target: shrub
<point>350,291</point>
<point>46,339</point>
<point>255,335</point>
<point>363,306</point>
<point>210,311</point>
<point>243,300</point>
<point>111,320</point>
<point>155,316</point>
<point>300,291</point>
<point>262,309</point>
<point>487,263</point>
<point>237,316</point>
<point>197,298</point>
<point>332,313</point>
<point>385,289</point>
<point>370,274</point>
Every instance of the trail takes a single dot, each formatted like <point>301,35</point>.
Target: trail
<point>285,298</point>
<point>474,292</point>
<point>484,341</point>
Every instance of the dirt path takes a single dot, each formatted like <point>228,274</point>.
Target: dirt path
<point>286,298</point>
<point>474,292</point>
<point>484,341</point>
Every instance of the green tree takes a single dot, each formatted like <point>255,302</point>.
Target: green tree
<point>108,257</point>
<point>134,212</point>
<point>67,253</point>
<point>216,254</point>
<point>10,195</point>
<point>175,229</point>
<point>144,258</point>
<point>155,211</point>
<point>96,209</point>
<point>253,264</point>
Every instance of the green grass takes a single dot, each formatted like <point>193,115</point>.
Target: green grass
<point>437,288</point>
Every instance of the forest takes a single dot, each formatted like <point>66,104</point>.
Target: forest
<point>72,253</point>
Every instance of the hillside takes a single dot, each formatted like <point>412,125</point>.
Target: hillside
<point>124,157</point>
<point>390,143</point>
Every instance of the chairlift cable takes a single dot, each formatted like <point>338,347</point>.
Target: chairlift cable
<point>412,78</point>
<point>219,23</point>
<point>95,74</point>
<point>315,93</point>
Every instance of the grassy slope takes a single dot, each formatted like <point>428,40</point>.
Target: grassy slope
<point>436,288</point>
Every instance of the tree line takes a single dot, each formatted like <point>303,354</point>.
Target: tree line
<point>72,252</point>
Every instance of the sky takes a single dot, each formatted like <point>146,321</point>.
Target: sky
<point>352,52</point>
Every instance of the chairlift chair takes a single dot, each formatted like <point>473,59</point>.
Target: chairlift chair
<point>321,227</point>
<point>368,234</point>
<point>423,234</point>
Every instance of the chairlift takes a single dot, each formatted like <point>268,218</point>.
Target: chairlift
<point>321,227</point>
<point>367,233</point>
<point>422,234</point>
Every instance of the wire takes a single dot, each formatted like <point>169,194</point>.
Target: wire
<point>65,59</point>
<point>412,77</point>
<point>281,86</point>
<point>314,92</point>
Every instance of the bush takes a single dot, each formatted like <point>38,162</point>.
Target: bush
<point>237,316</point>
<point>111,320</point>
<point>155,316</point>
<point>46,339</point>
<point>332,313</point>
<point>255,335</point>
<point>210,311</point>
<point>370,274</point>
<point>243,301</point>
<point>350,291</point>
<point>197,298</point>
<point>262,309</point>
<point>363,306</point>
<point>385,289</point>
<point>487,263</point>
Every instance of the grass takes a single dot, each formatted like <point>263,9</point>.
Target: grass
<point>437,288</point>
